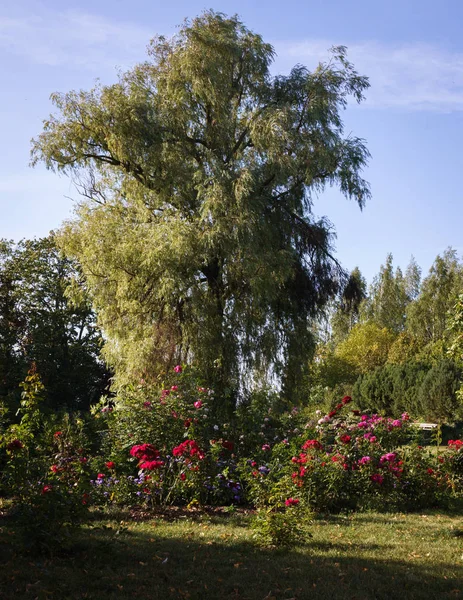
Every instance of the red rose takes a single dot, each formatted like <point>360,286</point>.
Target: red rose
<point>312,444</point>
<point>151,464</point>
<point>291,502</point>
<point>15,445</point>
<point>228,445</point>
<point>188,448</point>
<point>144,452</point>
<point>110,464</point>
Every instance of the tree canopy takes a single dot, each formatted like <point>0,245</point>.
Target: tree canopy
<point>429,316</point>
<point>196,233</point>
<point>41,328</point>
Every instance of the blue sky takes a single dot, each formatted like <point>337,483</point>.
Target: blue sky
<point>412,119</point>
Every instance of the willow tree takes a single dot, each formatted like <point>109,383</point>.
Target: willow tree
<point>196,232</point>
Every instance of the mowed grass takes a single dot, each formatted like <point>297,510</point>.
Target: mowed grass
<point>202,556</point>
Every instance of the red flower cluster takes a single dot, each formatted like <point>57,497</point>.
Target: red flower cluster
<point>188,448</point>
<point>343,402</point>
<point>303,458</point>
<point>457,444</point>
<point>46,489</point>
<point>377,478</point>
<point>298,476</point>
<point>291,502</point>
<point>228,445</point>
<point>144,452</point>
<point>147,455</point>
<point>110,464</point>
<point>312,444</point>
<point>14,445</point>
<point>150,465</point>
<point>345,439</point>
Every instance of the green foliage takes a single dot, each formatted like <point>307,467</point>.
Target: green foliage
<point>40,325</point>
<point>388,297</point>
<point>347,310</point>
<point>405,348</point>
<point>282,528</point>
<point>330,370</point>
<point>425,390</point>
<point>456,336</point>
<point>428,317</point>
<point>366,347</point>
<point>437,394</point>
<point>456,329</point>
<point>197,238</point>
<point>391,389</point>
<point>356,462</point>
<point>45,470</point>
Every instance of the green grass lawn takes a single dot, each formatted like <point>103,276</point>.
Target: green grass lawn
<point>197,555</point>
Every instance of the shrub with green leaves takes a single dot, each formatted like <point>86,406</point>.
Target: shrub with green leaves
<point>356,462</point>
<point>46,469</point>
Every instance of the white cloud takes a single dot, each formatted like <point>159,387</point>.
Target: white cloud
<point>413,76</point>
<point>72,38</point>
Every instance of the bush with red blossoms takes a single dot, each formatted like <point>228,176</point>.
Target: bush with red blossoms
<point>43,472</point>
<point>14,445</point>
<point>360,461</point>
<point>188,448</point>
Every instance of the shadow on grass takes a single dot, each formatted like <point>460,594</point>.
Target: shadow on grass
<point>215,514</point>
<point>162,563</point>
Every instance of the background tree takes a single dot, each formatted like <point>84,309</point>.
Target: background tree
<point>387,298</point>
<point>412,280</point>
<point>455,328</point>
<point>366,347</point>
<point>437,395</point>
<point>11,364</point>
<point>39,325</point>
<point>428,316</point>
<point>347,310</point>
<point>404,348</point>
<point>197,238</point>
<point>392,389</point>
